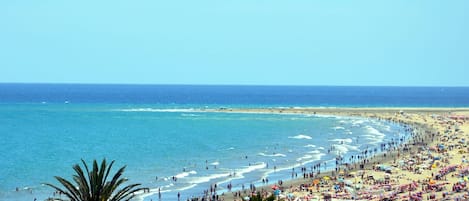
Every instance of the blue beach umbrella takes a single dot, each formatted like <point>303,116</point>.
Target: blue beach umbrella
<point>441,146</point>
<point>277,192</point>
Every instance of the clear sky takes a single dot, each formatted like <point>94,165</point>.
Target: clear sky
<point>261,42</point>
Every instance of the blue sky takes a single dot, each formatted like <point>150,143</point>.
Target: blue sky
<point>261,42</point>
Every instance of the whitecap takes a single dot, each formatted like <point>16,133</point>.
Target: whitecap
<point>240,172</point>
<point>340,149</point>
<point>304,157</point>
<point>387,128</point>
<point>310,145</point>
<point>345,140</point>
<point>273,155</point>
<point>198,180</point>
<point>358,121</point>
<point>157,110</point>
<point>338,128</point>
<point>314,152</point>
<point>301,137</point>
<point>185,174</point>
<point>374,135</point>
<point>189,115</point>
<point>344,148</point>
<point>310,158</point>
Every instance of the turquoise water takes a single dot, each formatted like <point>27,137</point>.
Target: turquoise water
<point>39,141</point>
<point>154,130</point>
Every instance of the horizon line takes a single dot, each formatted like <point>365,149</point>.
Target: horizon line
<point>246,85</point>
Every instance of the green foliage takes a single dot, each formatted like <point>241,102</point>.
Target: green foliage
<point>94,185</point>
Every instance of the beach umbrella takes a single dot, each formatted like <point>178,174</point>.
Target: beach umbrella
<point>247,198</point>
<point>277,192</point>
<point>326,178</point>
<point>336,187</point>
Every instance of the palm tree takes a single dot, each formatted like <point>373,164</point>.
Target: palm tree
<point>94,187</point>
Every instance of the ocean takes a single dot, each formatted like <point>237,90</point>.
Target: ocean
<point>161,131</point>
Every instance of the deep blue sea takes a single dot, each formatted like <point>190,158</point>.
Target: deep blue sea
<point>159,132</point>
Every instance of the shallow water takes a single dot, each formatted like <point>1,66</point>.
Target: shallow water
<point>198,148</point>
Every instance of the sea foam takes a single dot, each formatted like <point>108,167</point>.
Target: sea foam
<point>204,179</point>
<point>273,155</point>
<point>374,135</point>
<point>301,137</point>
<point>185,174</point>
<point>158,110</point>
<point>338,128</point>
<point>344,140</point>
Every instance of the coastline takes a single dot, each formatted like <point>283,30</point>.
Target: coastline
<point>430,124</point>
<point>293,186</point>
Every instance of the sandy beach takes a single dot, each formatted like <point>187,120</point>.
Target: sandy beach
<point>433,165</point>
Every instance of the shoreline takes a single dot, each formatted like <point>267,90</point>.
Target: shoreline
<point>426,120</point>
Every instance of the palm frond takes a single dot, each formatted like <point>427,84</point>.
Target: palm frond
<point>126,192</point>
<point>94,186</point>
<point>80,179</point>
<point>70,191</point>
